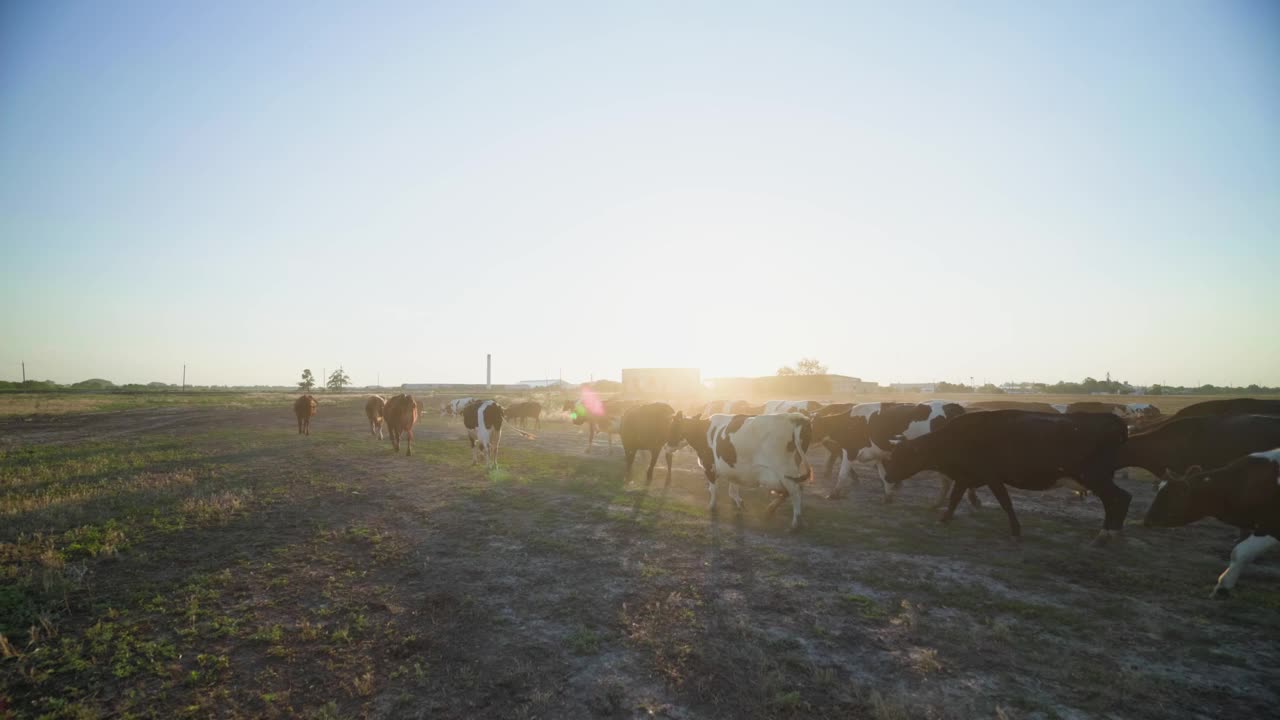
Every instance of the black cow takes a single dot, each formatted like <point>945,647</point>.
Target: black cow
<point>1031,451</point>
<point>1207,441</point>
<point>1244,493</point>
<point>646,427</point>
<point>605,420</point>
<point>522,412</point>
<point>1234,406</point>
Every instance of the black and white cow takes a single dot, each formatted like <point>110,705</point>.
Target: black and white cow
<point>778,407</point>
<point>728,407</point>
<point>454,407</point>
<point>646,427</point>
<point>1031,451</point>
<point>868,433</point>
<point>765,451</point>
<point>483,421</point>
<point>1244,493</point>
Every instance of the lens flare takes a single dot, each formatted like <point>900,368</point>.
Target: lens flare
<point>590,402</point>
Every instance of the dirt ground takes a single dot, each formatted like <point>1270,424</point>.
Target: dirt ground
<point>209,562</point>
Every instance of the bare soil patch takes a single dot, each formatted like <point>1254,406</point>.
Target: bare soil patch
<point>199,562</point>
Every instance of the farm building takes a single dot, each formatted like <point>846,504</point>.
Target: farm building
<point>661,382</point>
<point>777,386</point>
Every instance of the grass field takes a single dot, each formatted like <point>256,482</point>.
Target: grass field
<point>206,561</point>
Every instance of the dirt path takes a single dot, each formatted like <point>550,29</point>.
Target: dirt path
<point>355,582</point>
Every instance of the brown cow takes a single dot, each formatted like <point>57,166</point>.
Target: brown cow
<point>373,408</point>
<point>304,408</point>
<point>401,412</point>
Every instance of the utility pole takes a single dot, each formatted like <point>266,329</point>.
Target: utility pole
<point>24,372</point>
<point>184,377</point>
<point>488,372</point>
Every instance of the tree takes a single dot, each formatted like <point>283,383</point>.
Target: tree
<point>805,366</point>
<point>337,379</point>
<point>991,389</point>
<point>308,380</point>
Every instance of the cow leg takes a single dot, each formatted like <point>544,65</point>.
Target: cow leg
<point>472,440</point>
<point>299,426</point>
<point>793,489</point>
<point>736,495</point>
<point>957,492</point>
<point>1115,504</point>
<point>844,479</point>
<point>1241,555</point>
<point>654,454</point>
<point>409,450</point>
<point>773,506</point>
<point>831,463</point>
<point>944,491</point>
<point>631,458</point>
<point>890,489</point>
<point>711,490</point>
<point>497,441</point>
<point>591,435</point>
<point>1002,496</point>
<point>668,453</point>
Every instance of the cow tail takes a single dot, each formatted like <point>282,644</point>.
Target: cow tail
<point>802,433</point>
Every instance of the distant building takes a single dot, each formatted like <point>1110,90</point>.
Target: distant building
<point>789,387</point>
<point>661,382</point>
<point>548,383</point>
<point>914,387</point>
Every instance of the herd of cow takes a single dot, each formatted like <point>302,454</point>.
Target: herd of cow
<point>1219,458</point>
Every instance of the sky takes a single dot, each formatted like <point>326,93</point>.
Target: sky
<point>907,191</point>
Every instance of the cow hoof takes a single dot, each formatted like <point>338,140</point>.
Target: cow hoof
<point>1220,593</point>
<point>1108,537</point>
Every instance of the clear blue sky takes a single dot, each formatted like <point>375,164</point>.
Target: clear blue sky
<point>908,191</point>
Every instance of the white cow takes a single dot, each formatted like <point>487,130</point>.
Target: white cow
<point>765,451</point>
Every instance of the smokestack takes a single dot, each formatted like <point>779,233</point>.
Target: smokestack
<point>488,372</point>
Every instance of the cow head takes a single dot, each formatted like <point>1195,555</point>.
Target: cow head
<point>691,430</point>
<point>1172,506</point>
<point>906,460</point>
<point>312,405</point>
